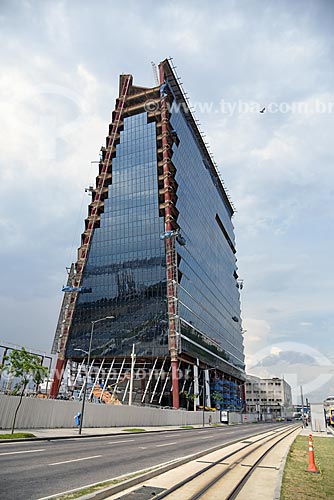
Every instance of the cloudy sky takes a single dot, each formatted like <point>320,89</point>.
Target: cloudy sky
<point>59,77</point>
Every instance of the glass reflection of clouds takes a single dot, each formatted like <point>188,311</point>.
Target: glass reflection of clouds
<point>208,296</point>
<point>126,266</point>
<point>126,263</point>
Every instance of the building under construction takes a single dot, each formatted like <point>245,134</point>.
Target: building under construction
<point>155,283</point>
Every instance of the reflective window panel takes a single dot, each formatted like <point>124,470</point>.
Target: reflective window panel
<point>126,267</point>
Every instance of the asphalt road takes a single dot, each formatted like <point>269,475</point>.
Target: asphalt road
<point>35,470</point>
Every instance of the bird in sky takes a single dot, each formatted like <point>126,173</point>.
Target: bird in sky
<point>262,110</point>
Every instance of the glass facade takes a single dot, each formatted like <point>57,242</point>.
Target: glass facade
<point>126,266</point>
<point>209,303</point>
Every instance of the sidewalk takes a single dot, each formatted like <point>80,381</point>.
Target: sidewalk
<point>305,431</point>
<point>91,431</point>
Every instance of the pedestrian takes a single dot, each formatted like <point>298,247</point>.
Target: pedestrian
<point>77,418</point>
<point>210,419</point>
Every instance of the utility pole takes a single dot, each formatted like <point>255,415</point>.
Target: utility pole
<point>204,397</point>
<point>133,357</point>
<point>88,365</point>
<point>302,400</point>
<point>86,378</point>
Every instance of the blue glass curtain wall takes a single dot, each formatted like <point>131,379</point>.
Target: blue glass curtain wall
<point>208,295</point>
<point>126,267</point>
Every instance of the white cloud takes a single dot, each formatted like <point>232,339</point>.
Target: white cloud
<point>257,334</point>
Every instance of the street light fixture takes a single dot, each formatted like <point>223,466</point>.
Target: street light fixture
<point>88,363</point>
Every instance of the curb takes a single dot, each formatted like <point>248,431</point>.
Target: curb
<point>277,494</point>
<point>54,438</point>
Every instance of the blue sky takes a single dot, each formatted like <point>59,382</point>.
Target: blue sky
<point>59,78</point>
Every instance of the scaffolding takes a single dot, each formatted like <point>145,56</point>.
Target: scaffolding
<point>109,380</point>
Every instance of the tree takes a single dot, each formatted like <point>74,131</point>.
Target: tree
<point>25,366</point>
<point>190,397</point>
<point>217,398</point>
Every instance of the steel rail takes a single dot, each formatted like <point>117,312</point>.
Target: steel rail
<point>246,477</point>
<point>262,440</point>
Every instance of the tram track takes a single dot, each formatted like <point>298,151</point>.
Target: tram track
<point>238,468</point>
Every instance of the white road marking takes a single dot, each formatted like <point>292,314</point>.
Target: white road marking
<point>76,460</point>
<point>202,432</point>
<point>13,443</point>
<point>143,447</point>
<point>86,438</point>
<point>17,452</point>
<point>167,444</point>
<point>123,441</point>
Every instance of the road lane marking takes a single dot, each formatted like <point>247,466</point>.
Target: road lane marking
<point>167,444</point>
<point>75,460</point>
<point>202,432</point>
<point>143,447</point>
<point>87,438</point>
<point>17,452</point>
<point>3,442</point>
<point>123,441</point>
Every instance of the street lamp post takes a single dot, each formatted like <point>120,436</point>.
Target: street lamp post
<point>204,392</point>
<point>204,398</point>
<point>88,363</point>
<point>133,358</point>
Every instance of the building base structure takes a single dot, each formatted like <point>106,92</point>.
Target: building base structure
<point>156,265</point>
<point>109,381</point>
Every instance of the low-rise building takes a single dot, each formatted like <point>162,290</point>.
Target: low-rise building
<point>269,396</point>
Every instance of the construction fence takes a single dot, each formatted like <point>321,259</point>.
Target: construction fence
<point>50,413</point>
<point>37,413</point>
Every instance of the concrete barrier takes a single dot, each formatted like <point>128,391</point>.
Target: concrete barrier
<point>49,413</point>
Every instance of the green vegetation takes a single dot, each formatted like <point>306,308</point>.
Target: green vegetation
<point>86,491</point>
<point>297,483</point>
<point>134,429</point>
<point>100,486</point>
<point>187,427</point>
<point>25,366</point>
<point>17,435</point>
<point>190,397</point>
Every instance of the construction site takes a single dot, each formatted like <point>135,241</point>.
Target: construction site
<point>151,308</point>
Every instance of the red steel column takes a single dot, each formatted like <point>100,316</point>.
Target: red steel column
<point>57,377</point>
<point>168,227</point>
